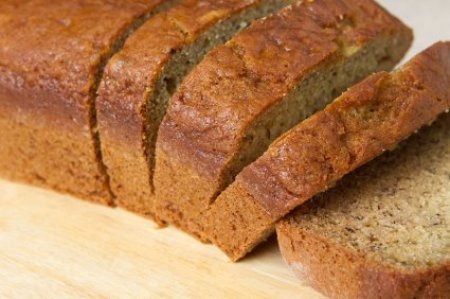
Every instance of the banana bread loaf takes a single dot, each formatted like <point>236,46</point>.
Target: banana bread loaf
<point>384,231</point>
<point>264,81</point>
<point>368,119</point>
<point>139,79</point>
<point>51,59</point>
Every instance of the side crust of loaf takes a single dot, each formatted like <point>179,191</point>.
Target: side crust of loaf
<point>339,272</point>
<point>49,74</point>
<point>139,80</point>
<point>370,118</point>
<point>237,101</point>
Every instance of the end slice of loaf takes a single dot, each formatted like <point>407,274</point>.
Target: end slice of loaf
<point>52,56</point>
<point>384,231</point>
<point>139,80</point>
<point>263,82</point>
<point>368,119</point>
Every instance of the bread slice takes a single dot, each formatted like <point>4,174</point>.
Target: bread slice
<point>51,60</point>
<point>264,81</point>
<point>361,124</point>
<point>384,231</point>
<point>140,78</point>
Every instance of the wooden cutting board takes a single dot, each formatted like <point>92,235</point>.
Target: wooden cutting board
<point>52,245</point>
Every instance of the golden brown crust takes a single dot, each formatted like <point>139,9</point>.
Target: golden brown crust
<point>236,74</point>
<point>51,53</point>
<point>236,223</point>
<point>353,242</point>
<point>340,272</point>
<point>129,83</point>
<point>138,64</point>
<point>238,84</point>
<point>180,215</point>
<point>370,118</point>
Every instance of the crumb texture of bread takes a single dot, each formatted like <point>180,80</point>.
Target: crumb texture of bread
<point>400,201</point>
<point>140,78</point>
<point>264,81</point>
<point>384,230</point>
<point>371,117</point>
<point>51,60</point>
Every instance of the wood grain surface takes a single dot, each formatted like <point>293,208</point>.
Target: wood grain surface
<point>55,246</point>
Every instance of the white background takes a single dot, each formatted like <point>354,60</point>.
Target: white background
<point>430,20</point>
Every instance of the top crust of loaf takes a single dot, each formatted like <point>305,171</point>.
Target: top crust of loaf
<point>139,80</point>
<point>52,56</point>
<point>51,65</point>
<point>220,99</point>
<point>134,70</point>
<point>368,119</point>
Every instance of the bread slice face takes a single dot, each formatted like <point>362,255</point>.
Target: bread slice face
<point>368,119</point>
<point>139,80</point>
<point>247,92</point>
<point>383,231</point>
<point>51,61</point>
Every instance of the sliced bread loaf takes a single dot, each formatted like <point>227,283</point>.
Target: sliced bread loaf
<point>366,120</point>
<point>384,231</point>
<point>139,79</point>
<point>52,55</point>
<point>264,81</point>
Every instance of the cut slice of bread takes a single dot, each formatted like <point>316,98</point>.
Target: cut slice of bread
<point>369,118</point>
<point>140,78</point>
<point>384,231</point>
<point>52,56</point>
<point>263,82</point>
